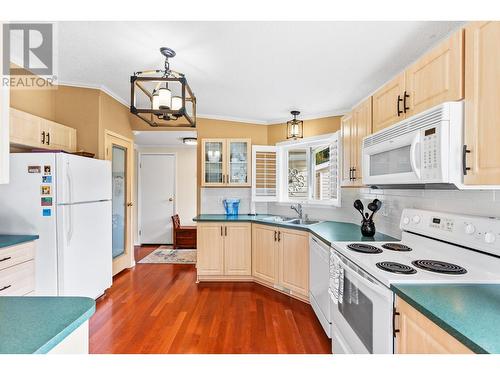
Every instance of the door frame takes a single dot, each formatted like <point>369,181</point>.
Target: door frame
<point>127,259</point>
<point>139,190</point>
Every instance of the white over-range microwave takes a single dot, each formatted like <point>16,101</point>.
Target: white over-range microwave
<point>425,150</point>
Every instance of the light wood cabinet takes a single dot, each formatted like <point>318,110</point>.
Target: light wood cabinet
<point>59,137</point>
<point>17,270</point>
<point>224,249</point>
<point>419,335</point>
<point>210,249</point>
<point>293,266</point>
<point>482,103</point>
<point>27,130</point>
<point>354,127</point>
<point>435,78</point>
<point>387,103</point>
<point>265,253</point>
<point>346,131</point>
<point>281,259</point>
<point>237,249</point>
<point>226,162</point>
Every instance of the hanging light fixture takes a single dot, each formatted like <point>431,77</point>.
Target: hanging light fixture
<point>168,96</point>
<point>294,127</point>
<point>190,141</point>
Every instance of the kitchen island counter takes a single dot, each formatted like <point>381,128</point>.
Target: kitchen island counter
<point>468,312</point>
<point>7,240</point>
<point>36,325</point>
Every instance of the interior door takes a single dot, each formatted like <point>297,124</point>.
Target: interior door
<point>157,198</point>
<point>119,151</point>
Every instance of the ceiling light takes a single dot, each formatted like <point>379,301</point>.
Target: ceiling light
<point>169,97</point>
<point>190,141</point>
<point>294,127</point>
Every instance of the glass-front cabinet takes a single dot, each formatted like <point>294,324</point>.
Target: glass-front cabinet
<point>226,162</point>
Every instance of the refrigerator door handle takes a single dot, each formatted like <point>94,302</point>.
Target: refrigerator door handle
<point>69,221</point>
<point>69,232</point>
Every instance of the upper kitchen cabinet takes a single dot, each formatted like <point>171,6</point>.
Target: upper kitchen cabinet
<point>27,130</point>
<point>226,162</point>
<point>435,78</point>
<point>387,103</point>
<point>355,126</point>
<point>4,124</point>
<point>347,157</point>
<point>482,104</point>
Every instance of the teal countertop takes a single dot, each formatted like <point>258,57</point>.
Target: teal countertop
<point>37,324</point>
<point>468,312</point>
<point>327,231</point>
<point>15,239</point>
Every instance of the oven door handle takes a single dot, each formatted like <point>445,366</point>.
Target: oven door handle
<point>368,282</point>
<point>415,155</point>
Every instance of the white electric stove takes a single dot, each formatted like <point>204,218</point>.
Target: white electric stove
<point>435,248</point>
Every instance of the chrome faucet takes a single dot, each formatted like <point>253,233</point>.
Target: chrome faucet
<point>297,208</point>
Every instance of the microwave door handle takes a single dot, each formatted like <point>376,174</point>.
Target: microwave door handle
<point>415,155</point>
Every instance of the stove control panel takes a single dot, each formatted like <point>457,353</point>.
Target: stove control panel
<point>476,232</point>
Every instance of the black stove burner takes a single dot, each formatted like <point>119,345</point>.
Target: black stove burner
<point>396,268</point>
<point>396,247</point>
<point>439,267</point>
<point>364,248</point>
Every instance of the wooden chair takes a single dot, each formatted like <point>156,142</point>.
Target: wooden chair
<point>184,236</point>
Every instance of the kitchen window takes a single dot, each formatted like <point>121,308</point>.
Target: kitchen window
<point>304,171</point>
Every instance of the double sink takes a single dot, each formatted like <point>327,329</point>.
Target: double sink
<point>289,220</point>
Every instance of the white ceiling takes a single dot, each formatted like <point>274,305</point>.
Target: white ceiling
<point>163,138</point>
<point>250,71</point>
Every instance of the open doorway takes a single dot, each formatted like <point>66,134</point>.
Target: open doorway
<point>166,184</point>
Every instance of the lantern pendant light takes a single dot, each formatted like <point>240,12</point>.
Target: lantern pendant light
<point>294,127</point>
<point>164,107</point>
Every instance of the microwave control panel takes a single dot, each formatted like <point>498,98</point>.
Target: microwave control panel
<point>431,156</point>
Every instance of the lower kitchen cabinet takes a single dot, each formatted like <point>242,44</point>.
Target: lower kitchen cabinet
<point>293,261</point>
<point>224,249</point>
<point>264,253</point>
<point>281,259</point>
<point>419,335</point>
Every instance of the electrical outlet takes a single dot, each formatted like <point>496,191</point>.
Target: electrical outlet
<point>220,199</point>
<point>386,209</point>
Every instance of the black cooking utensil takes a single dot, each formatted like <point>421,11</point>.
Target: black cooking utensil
<point>374,207</point>
<point>358,205</point>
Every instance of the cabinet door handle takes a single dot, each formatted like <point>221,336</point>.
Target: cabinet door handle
<point>400,112</point>
<point>354,174</point>
<point>394,329</point>
<point>465,168</point>
<point>48,138</point>
<point>43,137</point>
<point>225,231</point>
<point>221,231</point>
<point>5,287</point>
<point>405,96</point>
<point>275,236</point>
<point>4,259</point>
<point>223,178</point>
<point>279,236</point>
<point>350,174</point>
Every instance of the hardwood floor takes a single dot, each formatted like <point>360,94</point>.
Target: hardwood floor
<point>158,308</point>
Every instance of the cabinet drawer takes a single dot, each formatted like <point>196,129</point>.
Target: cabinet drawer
<point>18,280</point>
<point>12,255</point>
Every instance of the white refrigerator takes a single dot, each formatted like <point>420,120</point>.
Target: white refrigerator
<point>66,200</point>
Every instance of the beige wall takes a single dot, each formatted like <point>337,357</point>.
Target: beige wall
<point>185,181</point>
<point>325,125</point>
